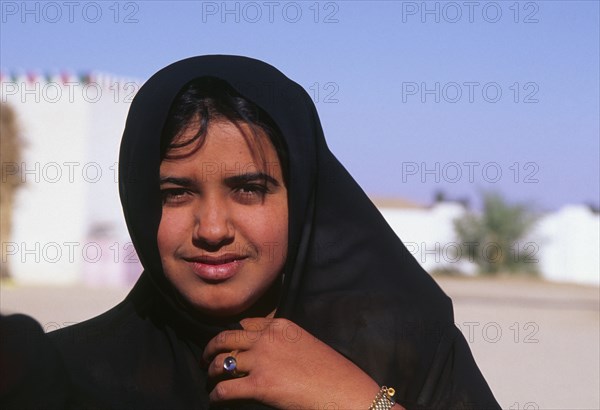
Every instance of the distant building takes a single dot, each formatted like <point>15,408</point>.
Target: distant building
<point>564,244</point>
<point>68,222</point>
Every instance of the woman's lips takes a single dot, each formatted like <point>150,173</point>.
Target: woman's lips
<point>217,268</point>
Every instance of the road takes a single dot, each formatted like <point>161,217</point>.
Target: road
<point>537,343</point>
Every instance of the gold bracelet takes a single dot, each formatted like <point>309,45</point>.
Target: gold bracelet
<point>384,399</point>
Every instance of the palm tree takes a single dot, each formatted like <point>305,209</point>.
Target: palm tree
<point>493,238</point>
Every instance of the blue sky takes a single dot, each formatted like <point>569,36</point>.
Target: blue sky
<point>516,83</point>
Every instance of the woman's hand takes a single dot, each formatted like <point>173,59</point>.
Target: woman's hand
<point>286,367</point>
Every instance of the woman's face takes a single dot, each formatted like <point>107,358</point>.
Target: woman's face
<point>224,229</point>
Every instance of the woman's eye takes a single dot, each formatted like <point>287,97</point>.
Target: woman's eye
<point>251,192</point>
<point>173,195</point>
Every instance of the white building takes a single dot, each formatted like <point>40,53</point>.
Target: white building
<point>68,223</point>
<point>565,244</point>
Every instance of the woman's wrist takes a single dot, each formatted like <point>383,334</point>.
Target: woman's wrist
<point>384,400</point>
<point>366,396</point>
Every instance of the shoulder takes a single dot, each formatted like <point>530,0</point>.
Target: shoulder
<point>102,326</point>
<point>110,336</point>
<point>100,354</point>
<point>33,374</point>
<point>100,332</point>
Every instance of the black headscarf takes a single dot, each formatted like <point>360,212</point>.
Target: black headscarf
<point>348,279</point>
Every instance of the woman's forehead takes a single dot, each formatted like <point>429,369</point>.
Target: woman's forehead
<point>226,148</point>
<point>238,137</point>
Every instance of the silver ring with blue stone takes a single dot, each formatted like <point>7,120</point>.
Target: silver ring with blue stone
<point>230,365</point>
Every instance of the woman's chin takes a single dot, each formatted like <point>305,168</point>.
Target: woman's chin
<point>231,303</point>
<point>223,312</point>
<point>220,309</point>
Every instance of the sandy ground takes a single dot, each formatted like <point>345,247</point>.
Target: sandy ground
<point>537,343</point>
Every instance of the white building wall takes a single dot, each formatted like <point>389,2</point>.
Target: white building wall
<point>72,130</point>
<point>565,244</point>
<point>570,245</point>
<point>429,235</point>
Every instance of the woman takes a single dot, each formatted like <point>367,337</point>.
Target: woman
<point>270,278</point>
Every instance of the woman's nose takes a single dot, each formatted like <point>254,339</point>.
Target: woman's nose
<point>213,226</point>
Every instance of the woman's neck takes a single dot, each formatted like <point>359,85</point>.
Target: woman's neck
<point>266,307</point>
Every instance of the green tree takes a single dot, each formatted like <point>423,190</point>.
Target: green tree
<point>494,239</point>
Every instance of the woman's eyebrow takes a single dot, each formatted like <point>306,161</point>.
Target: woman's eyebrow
<point>184,182</point>
<point>249,177</point>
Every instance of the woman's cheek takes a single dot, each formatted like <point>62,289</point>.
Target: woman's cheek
<point>178,218</point>
<point>173,225</point>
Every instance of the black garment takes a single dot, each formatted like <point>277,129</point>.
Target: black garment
<point>32,375</point>
<point>348,279</point>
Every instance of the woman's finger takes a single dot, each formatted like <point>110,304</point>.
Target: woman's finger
<point>243,365</point>
<point>256,324</point>
<point>227,341</point>
<point>242,388</point>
